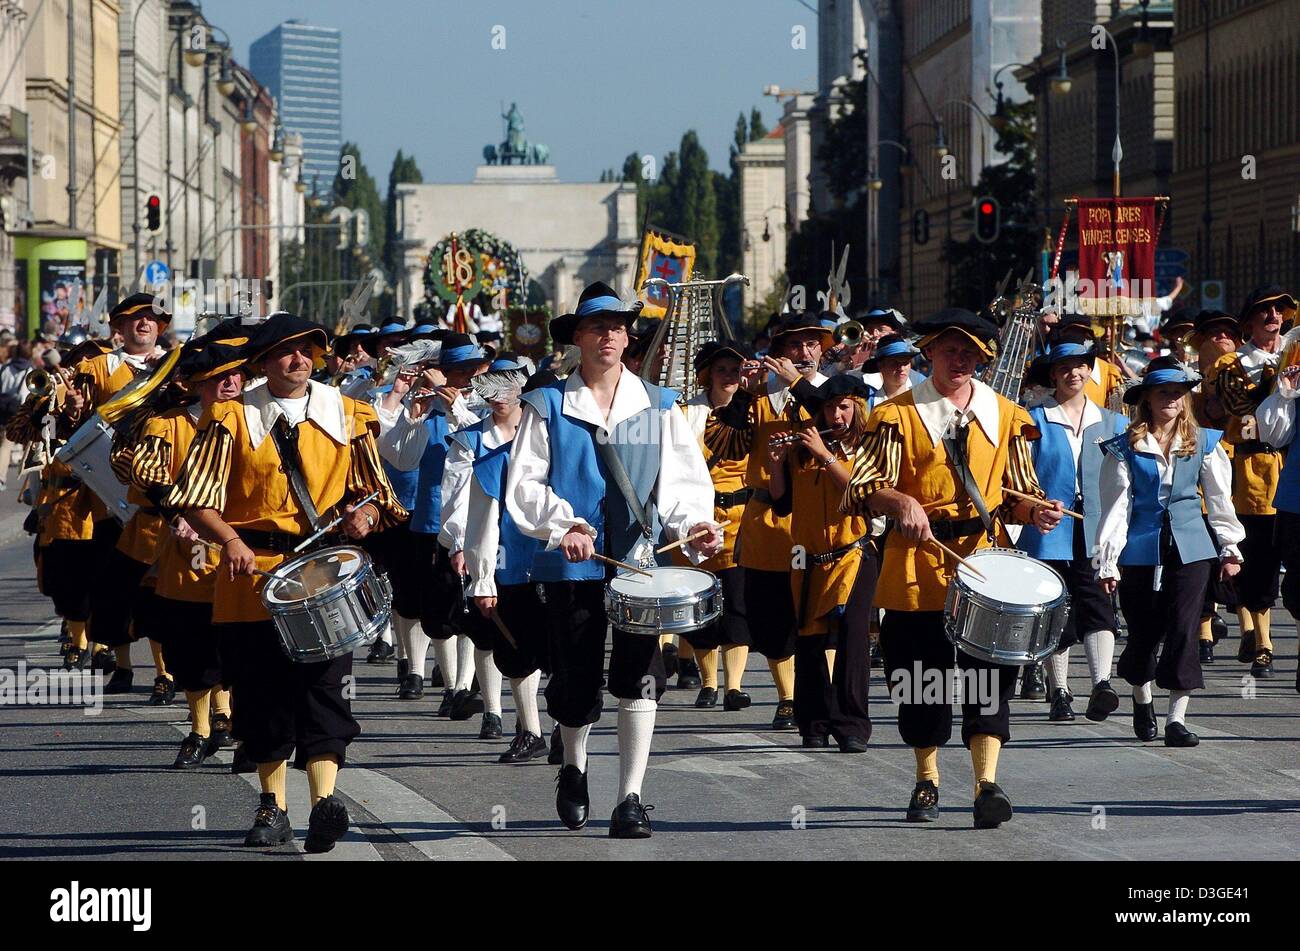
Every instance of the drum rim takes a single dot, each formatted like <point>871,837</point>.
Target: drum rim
<point>988,601</point>
<point>277,575</point>
<point>714,584</point>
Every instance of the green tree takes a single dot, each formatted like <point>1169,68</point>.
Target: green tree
<point>694,200</point>
<point>403,171</point>
<point>757,127</point>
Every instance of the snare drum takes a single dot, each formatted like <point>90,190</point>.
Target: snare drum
<point>87,455</point>
<point>670,601</point>
<point>1013,615</point>
<point>327,603</point>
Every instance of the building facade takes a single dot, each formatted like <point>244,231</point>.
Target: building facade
<point>763,211</point>
<point>15,155</point>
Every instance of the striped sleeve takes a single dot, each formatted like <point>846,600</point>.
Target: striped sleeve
<point>366,473</point>
<point>151,464</point>
<point>1238,395</point>
<point>25,426</point>
<point>1020,474</point>
<point>729,436</point>
<point>875,466</point>
<point>201,483</point>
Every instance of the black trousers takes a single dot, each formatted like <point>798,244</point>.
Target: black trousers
<point>282,708</point>
<point>837,705</point>
<point>1171,616</point>
<point>1091,608</point>
<point>524,615</point>
<point>915,648</point>
<point>733,626</point>
<point>189,641</point>
<point>117,599</point>
<point>1288,548</point>
<point>67,568</point>
<point>394,550</point>
<point>576,623</point>
<point>769,607</point>
<point>441,610</point>
<point>1261,557</point>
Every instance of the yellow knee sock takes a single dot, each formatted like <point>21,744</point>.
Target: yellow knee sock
<point>734,658</point>
<point>1263,622</point>
<point>927,763</point>
<point>830,663</point>
<point>708,661</point>
<point>1207,629</point>
<point>220,702</point>
<point>984,751</point>
<point>685,649</point>
<point>272,776</point>
<point>77,631</point>
<point>322,771</point>
<point>200,710</point>
<point>122,654</point>
<point>783,675</point>
<point>1247,621</point>
<point>159,664</point>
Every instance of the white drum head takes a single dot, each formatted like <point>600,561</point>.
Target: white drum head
<point>1011,578</point>
<point>663,583</point>
<point>315,574</point>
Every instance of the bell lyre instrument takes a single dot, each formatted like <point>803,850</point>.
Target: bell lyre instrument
<point>693,318</point>
<point>1019,335</point>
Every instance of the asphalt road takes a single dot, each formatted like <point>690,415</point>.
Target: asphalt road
<point>724,785</point>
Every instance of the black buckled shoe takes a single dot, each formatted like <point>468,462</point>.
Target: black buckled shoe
<point>490,729</point>
<point>270,825</point>
<point>688,674</point>
<point>1102,702</point>
<point>556,756</point>
<point>1262,667</point>
<point>670,660</point>
<point>194,750</point>
<point>524,747</point>
<point>448,698</point>
<point>1144,721</point>
<point>465,704</point>
<point>1032,684</point>
<point>74,658</point>
<point>571,801</point>
<point>1246,649</point>
<point>852,744</point>
<point>708,697</point>
<point>328,822</point>
<point>877,659</point>
<point>816,741</point>
<point>736,700</point>
<point>412,688</point>
<point>380,653</point>
<point>104,660</point>
<point>924,804</point>
<point>120,682</point>
<point>1218,627</point>
<point>164,692</point>
<point>220,738</point>
<point>630,819</point>
<point>1176,734</point>
<point>1062,711</point>
<point>992,807</point>
<point>1207,652</point>
<point>784,719</point>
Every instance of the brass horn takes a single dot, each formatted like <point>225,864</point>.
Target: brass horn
<point>849,333</point>
<point>135,394</point>
<point>39,382</point>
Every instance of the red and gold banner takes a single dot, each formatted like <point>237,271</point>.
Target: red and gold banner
<point>1117,255</point>
<point>666,258</point>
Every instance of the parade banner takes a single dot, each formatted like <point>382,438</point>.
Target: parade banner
<point>1117,255</point>
<point>664,257</point>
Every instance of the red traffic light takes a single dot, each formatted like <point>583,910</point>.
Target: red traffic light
<point>988,219</point>
<point>153,212</point>
<point>986,208</point>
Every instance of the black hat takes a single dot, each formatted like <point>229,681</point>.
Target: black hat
<point>362,334</point>
<point>281,327</point>
<point>1177,316</point>
<point>895,345</point>
<point>132,307</point>
<point>1040,371</point>
<point>978,330</point>
<point>717,349</point>
<point>597,300</point>
<point>802,323</point>
<point>1208,318</point>
<point>1265,294</point>
<point>883,315</point>
<point>841,385</point>
<point>1162,371</point>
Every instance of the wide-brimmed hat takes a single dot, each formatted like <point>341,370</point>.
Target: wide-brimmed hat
<point>459,350</point>
<point>1162,371</point>
<point>1265,294</point>
<point>1209,318</point>
<point>597,300</point>
<point>282,327</point>
<point>363,335</point>
<point>1040,371</point>
<point>717,349</point>
<point>135,304</point>
<point>895,345</point>
<point>841,385</point>
<point>957,319</point>
<point>1176,318</point>
<point>799,324</point>
<point>883,315</point>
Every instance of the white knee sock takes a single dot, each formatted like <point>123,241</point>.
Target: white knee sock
<point>387,635</point>
<point>489,681</point>
<point>417,650</point>
<point>464,662</point>
<point>575,745</point>
<point>636,729</point>
<point>401,635</point>
<point>1177,707</point>
<point>444,651</point>
<point>525,694</point>
<point>1058,670</point>
<point>1100,648</point>
<point>1142,693</point>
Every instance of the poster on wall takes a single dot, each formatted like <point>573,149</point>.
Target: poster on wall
<point>63,294</point>
<point>20,299</point>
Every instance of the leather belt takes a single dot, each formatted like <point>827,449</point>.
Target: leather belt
<point>762,495</point>
<point>726,500</point>
<point>1252,446</point>
<point>947,529</point>
<point>282,543</point>
<point>838,553</point>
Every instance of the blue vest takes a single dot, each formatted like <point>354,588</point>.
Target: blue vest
<point>1287,496</point>
<point>578,476</point>
<point>426,516</point>
<point>1053,461</point>
<point>405,484</point>
<point>1146,514</point>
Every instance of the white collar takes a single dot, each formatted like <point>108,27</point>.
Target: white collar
<point>324,408</point>
<point>1096,371</point>
<point>1149,446</point>
<point>630,398</point>
<point>1253,357</point>
<point>138,361</point>
<point>779,394</point>
<point>936,411</point>
<point>1055,413</point>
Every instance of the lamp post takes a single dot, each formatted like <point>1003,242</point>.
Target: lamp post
<point>1117,150</point>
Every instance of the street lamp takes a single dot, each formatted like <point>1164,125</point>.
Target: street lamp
<point>1061,82</point>
<point>1143,46</point>
<point>249,121</point>
<point>276,153</point>
<point>226,79</point>
<point>999,118</point>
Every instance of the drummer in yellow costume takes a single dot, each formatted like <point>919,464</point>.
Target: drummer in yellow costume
<point>764,547</point>
<point>114,607</point>
<point>906,470</point>
<point>257,467</point>
<point>1241,380</point>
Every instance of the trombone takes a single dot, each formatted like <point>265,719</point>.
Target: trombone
<point>849,333</point>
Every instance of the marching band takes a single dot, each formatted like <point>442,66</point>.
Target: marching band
<point>278,497</point>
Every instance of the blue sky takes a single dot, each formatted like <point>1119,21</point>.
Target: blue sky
<point>593,80</point>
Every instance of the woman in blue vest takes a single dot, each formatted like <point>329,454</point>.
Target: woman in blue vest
<point>1155,546</point>
<point>1068,460</point>
<point>418,442</point>
<point>889,371</point>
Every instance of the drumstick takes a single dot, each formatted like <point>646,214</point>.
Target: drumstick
<point>257,571</point>
<point>501,626</point>
<point>1033,498</point>
<point>960,560</point>
<point>334,524</point>
<point>690,538</point>
<point>621,564</point>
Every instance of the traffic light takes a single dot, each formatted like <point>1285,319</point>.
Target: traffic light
<point>920,226</point>
<point>153,212</point>
<point>988,219</point>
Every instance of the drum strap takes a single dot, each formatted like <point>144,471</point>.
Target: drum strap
<point>286,443</point>
<point>956,448</point>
